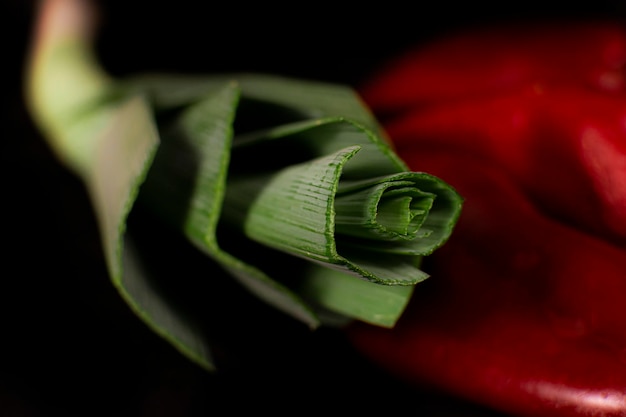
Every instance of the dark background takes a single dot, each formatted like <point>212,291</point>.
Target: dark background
<point>68,344</point>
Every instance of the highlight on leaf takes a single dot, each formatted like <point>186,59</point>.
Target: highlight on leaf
<point>289,185</point>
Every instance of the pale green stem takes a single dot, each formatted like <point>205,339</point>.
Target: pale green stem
<point>64,78</point>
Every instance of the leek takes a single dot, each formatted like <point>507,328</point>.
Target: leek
<point>257,171</point>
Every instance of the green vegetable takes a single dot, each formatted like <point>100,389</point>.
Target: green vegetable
<point>257,171</point>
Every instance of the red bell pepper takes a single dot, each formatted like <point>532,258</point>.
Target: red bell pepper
<point>525,310</point>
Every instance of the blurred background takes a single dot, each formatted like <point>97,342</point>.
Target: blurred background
<point>69,345</point>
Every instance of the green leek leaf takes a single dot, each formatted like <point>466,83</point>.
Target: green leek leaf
<point>289,185</point>
<point>110,145</point>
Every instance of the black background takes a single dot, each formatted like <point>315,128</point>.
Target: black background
<point>68,344</point>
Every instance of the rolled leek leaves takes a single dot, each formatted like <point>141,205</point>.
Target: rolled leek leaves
<point>289,185</point>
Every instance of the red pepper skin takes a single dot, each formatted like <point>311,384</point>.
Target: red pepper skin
<point>564,146</point>
<point>495,59</point>
<point>524,310</point>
